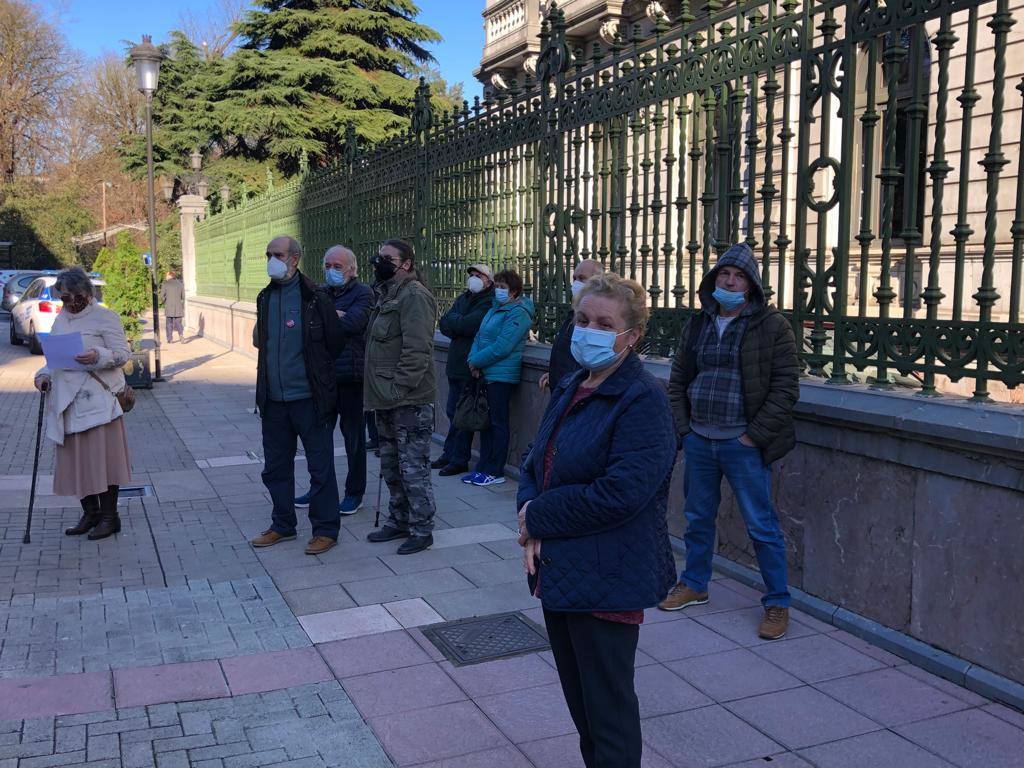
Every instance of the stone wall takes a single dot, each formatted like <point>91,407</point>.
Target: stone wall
<point>903,509</point>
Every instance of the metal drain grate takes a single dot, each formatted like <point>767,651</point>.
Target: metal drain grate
<point>129,491</point>
<point>485,638</point>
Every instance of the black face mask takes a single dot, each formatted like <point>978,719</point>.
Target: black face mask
<point>383,269</point>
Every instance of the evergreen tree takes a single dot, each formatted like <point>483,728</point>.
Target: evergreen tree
<point>127,289</point>
<point>307,68</point>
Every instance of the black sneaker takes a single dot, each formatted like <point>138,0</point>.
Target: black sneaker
<point>416,544</point>
<point>387,533</point>
<point>454,469</point>
<point>440,463</point>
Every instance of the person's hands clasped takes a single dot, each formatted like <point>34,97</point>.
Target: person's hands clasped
<point>531,550</point>
<point>524,535</point>
<point>89,357</point>
<point>542,383</point>
<point>42,383</point>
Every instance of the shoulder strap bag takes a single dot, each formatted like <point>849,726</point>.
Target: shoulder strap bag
<point>126,397</point>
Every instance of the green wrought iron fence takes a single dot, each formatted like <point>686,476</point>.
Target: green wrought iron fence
<point>857,147</point>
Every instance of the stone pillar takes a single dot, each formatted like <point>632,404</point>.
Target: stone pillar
<point>192,208</point>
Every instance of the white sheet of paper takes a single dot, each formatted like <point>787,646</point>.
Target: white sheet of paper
<point>60,350</point>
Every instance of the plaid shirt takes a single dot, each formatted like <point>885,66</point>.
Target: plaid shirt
<point>716,393</point>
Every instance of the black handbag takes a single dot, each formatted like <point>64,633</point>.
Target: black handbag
<point>472,413</point>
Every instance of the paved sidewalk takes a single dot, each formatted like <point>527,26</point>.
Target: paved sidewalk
<point>175,644</point>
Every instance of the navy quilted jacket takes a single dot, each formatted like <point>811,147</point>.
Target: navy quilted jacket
<point>602,520</point>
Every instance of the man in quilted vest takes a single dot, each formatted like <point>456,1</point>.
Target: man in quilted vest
<point>733,387</point>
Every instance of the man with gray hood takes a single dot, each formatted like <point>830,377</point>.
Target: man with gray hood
<point>734,382</point>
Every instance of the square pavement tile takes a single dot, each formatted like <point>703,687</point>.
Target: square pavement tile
<point>473,534</point>
<point>671,640</point>
<point>413,613</point>
<point>733,674</point>
<point>393,588</point>
<point>191,681</point>
<point>816,658</point>
<point>501,676</point>
<point>564,752</point>
<point>503,757</point>
<point>532,714</point>
<point>801,717</point>
<point>957,691</point>
<point>262,672</point>
<point>488,574</point>
<point>706,737</point>
<point>969,738</point>
<point>888,659</point>
<point>22,699</point>
<point>661,693</point>
<point>781,760</point>
<point>318,599</point>
<point>740,626</point>
<point>436,733</point>
<point>882,749</point>
<point>348,622</point>
<point>373,653</point>
<point>482,601</point>
<point>301,577</point>
<point>400,690</point>
<point>890,697</point>
<point>432,559</point>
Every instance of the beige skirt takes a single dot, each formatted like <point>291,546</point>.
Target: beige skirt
<point>90,461</point>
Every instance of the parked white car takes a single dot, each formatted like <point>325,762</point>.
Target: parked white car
<point>35,312</point>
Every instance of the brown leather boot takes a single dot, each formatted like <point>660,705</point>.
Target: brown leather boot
<point>90,517</point>
<point>109,523</point>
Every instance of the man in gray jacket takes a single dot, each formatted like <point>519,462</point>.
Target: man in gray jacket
<point>172,296</point>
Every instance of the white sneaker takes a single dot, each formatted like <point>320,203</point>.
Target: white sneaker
<point>482,479</point>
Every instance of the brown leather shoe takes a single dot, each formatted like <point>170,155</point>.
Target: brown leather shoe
<point>269,538</point>
<point>681,596</point>
<point>319,544</point>
<point>774,624</point>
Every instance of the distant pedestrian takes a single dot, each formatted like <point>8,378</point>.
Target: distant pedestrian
<point>562,363</point>
<point>460,324</point>
<point>593,495</point>
<point>352,301</point>
<point>400,387</point>
<point>733,387</point>
<point>496,360</point>
<point>83,415</point>
<point>172,296</point>
<point>298,338</point>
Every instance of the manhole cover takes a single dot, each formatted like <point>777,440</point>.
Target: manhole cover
<point>128,491</point>
<point>485,638</point>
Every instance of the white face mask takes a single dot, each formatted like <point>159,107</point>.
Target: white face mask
<point>276,269</point>
<point>475,284</point>
<point>577,286</point>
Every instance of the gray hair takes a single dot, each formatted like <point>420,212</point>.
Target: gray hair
<point>342,250</point>
<point>74,281</point>
<point>294,249</point>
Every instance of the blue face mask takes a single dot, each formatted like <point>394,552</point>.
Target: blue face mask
<point>594,349</point>
<point>729,300</point>
<point>501,295</point>
<point>335,277</point>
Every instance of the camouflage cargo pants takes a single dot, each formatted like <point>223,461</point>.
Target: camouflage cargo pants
<point>404,437</point>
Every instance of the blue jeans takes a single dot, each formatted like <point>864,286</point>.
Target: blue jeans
<point>494,439</point>
<point>283,424</point>
<point>751,482</point>
<point>459,443</point>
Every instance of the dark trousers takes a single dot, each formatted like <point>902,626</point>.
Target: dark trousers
<point>595,659</point>
<point>282,424</point>
<point>459,443</point>
<point>353,432</point>
<point>494,439</point>
<point>371,427</point>
<point>174,324</point>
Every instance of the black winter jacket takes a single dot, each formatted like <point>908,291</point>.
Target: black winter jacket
<point>322,340</point>
<point>460,324</point>
<point>562,363</point>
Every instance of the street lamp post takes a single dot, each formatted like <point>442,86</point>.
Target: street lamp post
<point>145,58</point>
<point>104,185</point>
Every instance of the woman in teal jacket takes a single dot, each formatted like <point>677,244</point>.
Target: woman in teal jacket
<point>497,358</point>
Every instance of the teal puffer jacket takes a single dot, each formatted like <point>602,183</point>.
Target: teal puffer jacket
<point>498,347</point>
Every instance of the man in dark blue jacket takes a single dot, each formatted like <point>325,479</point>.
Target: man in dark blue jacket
<point>561,362</point>
<point>352,302</point>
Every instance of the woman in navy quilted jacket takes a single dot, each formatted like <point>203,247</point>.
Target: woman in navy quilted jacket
<point>592,504</point>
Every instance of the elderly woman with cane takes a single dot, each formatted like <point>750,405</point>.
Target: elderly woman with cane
<point>593,497</point>
<point>83,415</point>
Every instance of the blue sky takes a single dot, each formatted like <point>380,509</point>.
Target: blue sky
<point>95,26</point>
